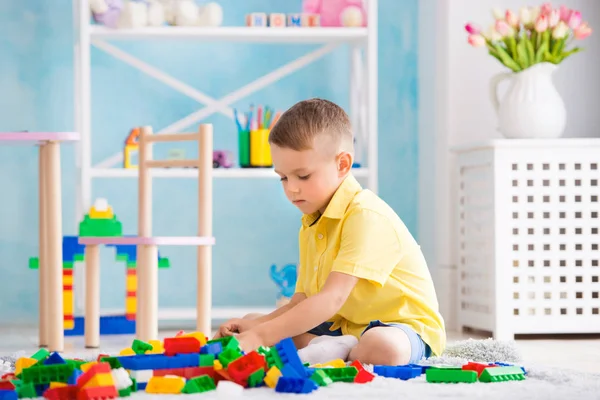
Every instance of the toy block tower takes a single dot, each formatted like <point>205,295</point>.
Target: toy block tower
<point>100,221</point>
<point>131,148</point>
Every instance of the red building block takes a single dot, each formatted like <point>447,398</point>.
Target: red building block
<point>181,345</point>
<point>363,375</point>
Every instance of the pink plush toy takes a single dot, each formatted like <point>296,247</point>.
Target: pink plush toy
<point>338,13</point>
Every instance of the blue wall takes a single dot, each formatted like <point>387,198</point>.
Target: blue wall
<point>253,223</point>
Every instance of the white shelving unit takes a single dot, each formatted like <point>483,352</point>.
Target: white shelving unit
<point>363,98</point>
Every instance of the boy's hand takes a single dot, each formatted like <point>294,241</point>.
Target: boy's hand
<point>250,341</point>
<point>233,326</point>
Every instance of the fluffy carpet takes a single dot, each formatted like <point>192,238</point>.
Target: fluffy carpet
<point>540,383</point>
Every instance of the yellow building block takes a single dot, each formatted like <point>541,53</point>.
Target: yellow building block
<point>198,335</point>
<point>67,302</point>
<point>104,214</point>
<point>85,367</point>
<point>217,365</point>
<point>165,384</point>
<point>157,347</point>
<point>131,283</point>
<point>338,363</point>
<point>67,279</point>
<point>128,154</point>
<point>130,305</point>
<point>23,362</point>
<point>68,324</point>
<point>272,377</point>
<point>99,380</point>
<point>127,352</point>
<point>57,385</point>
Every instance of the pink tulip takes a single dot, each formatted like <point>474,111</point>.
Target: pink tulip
<point>546,9</point>
<point>476,40</point>
<point>553,18</point>
<point>582,31</point>
<point>503,28</point>
<point>541,24</point>
<point>472,28</point>
<point>560,31</point>
<point>574,20</point>
<point>565,13</point>
<point>512,19</point>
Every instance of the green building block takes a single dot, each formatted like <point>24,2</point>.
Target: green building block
<point>112,361</point>
<point>229,355</point>
<point>26,391</point>
<point>140,347</point>
<point>100,227</point>
<point>450,375</point>
<point>227,342</point>
<point>344,374</point>
<point>502,374</point>
<point>40,355</point>
<point>125,392</point>
<point>256,378</point>
<point>273,359</point>
<point>75,363</point>
<point>34,263</point>
<point>200,384</point>
<point>41,374</point>
<point>321,378</point>
<point>164,262</point>
<point>207,360</point>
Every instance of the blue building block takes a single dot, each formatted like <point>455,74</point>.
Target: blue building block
<point>74,376</point>
<point>212,348</point>
<point>6,394</point>
<point>289,371</point>
<point>289,355</point>
<point>404,372</point>
<point>71,248</point>
<point>159,361</point>
<point>54,358</point>
<point>295,385</point>
<point>500,364</point>
<point>109,325</point>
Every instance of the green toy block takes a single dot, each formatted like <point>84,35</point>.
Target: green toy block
<point>125,392</point>
<point>207,360</point>
<point>344,374</point>
<point>164,262</point>
<point>79,257</point>
<point>200,384</point>
<point>42,374</point>
<point>75,363</point>
<point>502,374</point>
<point>112,361</point>
<point>273,360</point>
<point>100,227</point>
<point>140,347</point>
<point>26,391</point>
<point>34,263</point>
<point>321,378</point>
<point>67,265</point>
<point>229,355</point>
<point>449,375</point>
<point>227,342</point>
<point>256,378</point>
<point>40,355</point>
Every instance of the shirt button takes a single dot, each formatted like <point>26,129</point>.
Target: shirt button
<point>320,236</point>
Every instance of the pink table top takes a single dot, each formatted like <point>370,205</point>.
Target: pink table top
<point>37,137</point>
<point>160,240</point>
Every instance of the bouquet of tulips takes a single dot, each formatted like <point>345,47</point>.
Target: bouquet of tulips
<point>534,35</point>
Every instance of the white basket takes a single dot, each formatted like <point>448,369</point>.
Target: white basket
<point>528,237</point>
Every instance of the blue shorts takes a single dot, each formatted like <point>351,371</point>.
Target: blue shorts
<point>419,348</point>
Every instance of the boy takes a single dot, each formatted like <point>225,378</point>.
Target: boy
<point>363,284</point>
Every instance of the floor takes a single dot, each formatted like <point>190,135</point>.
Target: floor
<point>578,354</point>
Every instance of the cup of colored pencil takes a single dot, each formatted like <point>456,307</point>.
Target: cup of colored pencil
<point>253,136</point>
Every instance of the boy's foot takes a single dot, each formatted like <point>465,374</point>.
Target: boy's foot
<point>327,348</point>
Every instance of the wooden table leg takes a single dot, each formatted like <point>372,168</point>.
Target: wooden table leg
<point>54,251</point>
<point>42,267</point>
<point>148,271</point>
<point>140,317</point>
<point>92,296</point>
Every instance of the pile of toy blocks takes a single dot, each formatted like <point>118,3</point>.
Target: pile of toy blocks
<point>190,363</point>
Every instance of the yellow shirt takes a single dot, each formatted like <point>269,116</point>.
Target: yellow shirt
<point>359,234</point>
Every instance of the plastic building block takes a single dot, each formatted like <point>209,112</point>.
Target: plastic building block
<point>140,347</point>
<point>8,395</point>
<point>199,384</point>
<point>338,363</point>
<point>7,385</point>
<point>321,378</point>
<point>181,345</point>
<point>477,367</point>
<point>100,392</point>
<point>242,368</point>
<point>197,335</point>
<point>286,349</point>
<point>100,227</point>
<point>501,374</point>
<point>403,372</point>
<point>23,363</point>
<point>158,361</point>
<point>363,376</point>
<point>272,377</point>
<point>26,391</point>
<point>97,375</point>
<point>500,364</point>
<point>450,375</point>
<point>101,210</point>
<point>227,342</point>
<point>42,374</point>
<point>295,385</point>
<point>207,360</point>
<point>346,374</point>
<point>165,385</point>
<point>256,19</point>
<point>228,355</point>
<point>40,355</point>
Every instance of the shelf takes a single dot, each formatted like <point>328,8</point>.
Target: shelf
<point>193,173</point>
<point>156,240</point>
<point>235,34</point>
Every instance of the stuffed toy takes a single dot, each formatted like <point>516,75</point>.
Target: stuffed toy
<point>106,12</point>
<point>337,13</point>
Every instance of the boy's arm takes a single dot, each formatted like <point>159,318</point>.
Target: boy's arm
<point>296,298</point>
<point>309,312</point>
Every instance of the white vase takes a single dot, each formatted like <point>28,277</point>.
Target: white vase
<point>531,107</point>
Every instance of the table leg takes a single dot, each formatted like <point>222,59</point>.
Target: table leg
<point>92,296</point>
<point>140,317</point>
<point>42,267</point>
<point>54,251</point>
<point>149,296</point>
<point>204,290</point>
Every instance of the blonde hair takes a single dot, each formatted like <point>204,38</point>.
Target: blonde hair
<point>301,124</point>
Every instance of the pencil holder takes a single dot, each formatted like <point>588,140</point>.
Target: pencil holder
<point>260,150</point>
<point>244,148</point>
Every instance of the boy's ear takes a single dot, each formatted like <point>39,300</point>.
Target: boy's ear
<point>344,162</point>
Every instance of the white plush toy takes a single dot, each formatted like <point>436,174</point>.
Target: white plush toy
<point>211,14</point>
<point>133,15</point>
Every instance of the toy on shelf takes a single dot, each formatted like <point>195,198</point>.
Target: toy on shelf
<point>285,279</point>
<point>253,136</point>
<point>100,221</point>
<point>220,159</point>
<point>129,14</point>
<point>131,149</point>
<point>338,13</point>
<point>280,20</point>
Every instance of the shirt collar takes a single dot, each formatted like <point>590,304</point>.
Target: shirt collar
<point>339,202</point>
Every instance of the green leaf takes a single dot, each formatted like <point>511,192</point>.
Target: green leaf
<point>539,55</point>
<point>558,46</point>
<point>522,58</point>
<point>511,45</point>
<point>530,52</point>
<point>506,59</point>
<point>569,53</point>
<point>495,55</point>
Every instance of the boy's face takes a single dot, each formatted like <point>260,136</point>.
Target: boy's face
<point>309,177</point>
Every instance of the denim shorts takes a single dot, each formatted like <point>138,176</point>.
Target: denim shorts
<point>419,348</point>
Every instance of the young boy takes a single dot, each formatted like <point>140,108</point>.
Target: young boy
<point>363,283</point>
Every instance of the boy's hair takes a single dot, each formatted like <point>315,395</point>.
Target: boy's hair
<point>298,127</point>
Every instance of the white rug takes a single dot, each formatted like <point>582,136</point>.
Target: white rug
<point>540,383</point>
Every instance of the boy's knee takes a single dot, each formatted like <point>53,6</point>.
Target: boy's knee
<point>378,347</point>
